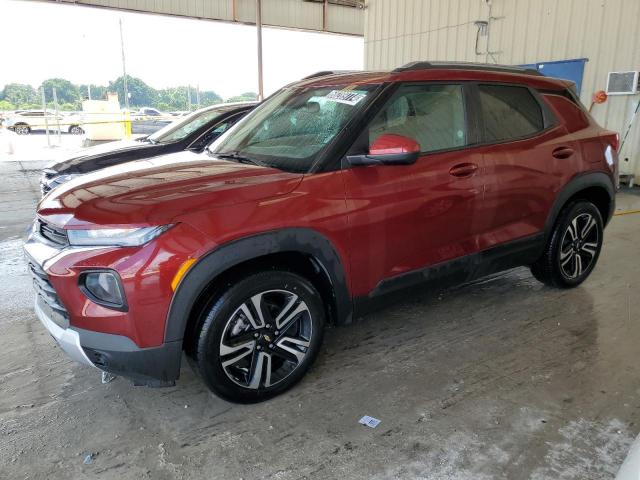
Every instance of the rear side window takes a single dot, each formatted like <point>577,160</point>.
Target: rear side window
<point>432,115</point>
<point>509,113</point>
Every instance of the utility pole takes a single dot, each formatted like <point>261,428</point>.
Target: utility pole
<point>89,90</point>
<point>198,95</point>
<point>189,97</point>
<point>55,106</point>
<point>124,70</point>
<point>259,29</point>
<point>46,121</point>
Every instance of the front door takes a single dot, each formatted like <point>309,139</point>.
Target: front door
<point>403,218</point>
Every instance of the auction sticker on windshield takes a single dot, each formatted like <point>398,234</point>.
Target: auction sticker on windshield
<point>348,97</point>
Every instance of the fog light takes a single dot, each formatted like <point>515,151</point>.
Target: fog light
<point>104,288</point>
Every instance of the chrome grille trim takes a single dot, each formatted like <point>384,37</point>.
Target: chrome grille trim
<point>48,294</point>
<point>53,234</point>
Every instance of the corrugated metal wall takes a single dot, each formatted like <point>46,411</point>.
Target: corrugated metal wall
<point>606,32</point>
<point>280,13</point>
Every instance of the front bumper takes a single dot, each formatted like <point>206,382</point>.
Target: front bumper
<point>117,354</point>
<point>67,338</point>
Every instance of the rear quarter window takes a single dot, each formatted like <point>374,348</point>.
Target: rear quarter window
<point>509,113</point>
<point>572,115</point>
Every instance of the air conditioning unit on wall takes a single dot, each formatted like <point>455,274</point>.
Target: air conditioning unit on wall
<point>622,83</point>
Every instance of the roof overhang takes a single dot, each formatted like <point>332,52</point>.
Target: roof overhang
<point>344,17</point>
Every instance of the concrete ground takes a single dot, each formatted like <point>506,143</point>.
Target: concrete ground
<point>500,379</point>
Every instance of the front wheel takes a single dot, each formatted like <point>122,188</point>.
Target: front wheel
<point>76,130</point>
<point>260,336</point>
<point>573,247</point>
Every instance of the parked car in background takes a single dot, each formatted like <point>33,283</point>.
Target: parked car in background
<point>148,120</point>
<point>193,132</point>
<point>334,193</point>
<point>28,121</point>
<point>73,123</point>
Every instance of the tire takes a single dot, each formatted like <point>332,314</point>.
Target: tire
<point>22,129</point>
<point>76,130</point>
<point>573,248</point>
<point>246,357</point>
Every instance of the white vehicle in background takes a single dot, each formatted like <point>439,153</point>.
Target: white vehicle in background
<point>28,121</point>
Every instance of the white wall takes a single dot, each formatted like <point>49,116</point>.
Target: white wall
<point>607,32</point>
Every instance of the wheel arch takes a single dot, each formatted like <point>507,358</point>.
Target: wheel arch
<point>301,250</point>
<point>596,187</point>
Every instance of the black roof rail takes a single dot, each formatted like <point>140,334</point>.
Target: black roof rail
<point>324,73</point>
<point>487,67</point>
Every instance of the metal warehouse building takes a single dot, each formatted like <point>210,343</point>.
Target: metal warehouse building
<point>582,40</point>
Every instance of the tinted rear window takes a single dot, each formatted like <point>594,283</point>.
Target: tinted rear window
<point>509,112</point>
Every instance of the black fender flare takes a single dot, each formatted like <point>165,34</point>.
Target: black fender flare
<point>299,240</point>
<point>575,185</point>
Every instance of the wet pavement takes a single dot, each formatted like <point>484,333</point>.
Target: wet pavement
<point>500,379</point>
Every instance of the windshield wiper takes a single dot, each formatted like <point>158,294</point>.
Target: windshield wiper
<point>236,157</point>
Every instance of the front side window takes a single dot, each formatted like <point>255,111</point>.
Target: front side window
<point>509,113</point>
<point>291,130</point>
<point>432,115</point>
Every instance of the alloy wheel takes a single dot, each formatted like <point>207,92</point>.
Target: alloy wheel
<point>265,339</point>
<point>579,246</point>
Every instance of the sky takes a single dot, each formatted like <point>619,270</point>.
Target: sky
<point>82,45</point>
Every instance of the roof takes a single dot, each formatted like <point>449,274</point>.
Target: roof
<point>439,71</point>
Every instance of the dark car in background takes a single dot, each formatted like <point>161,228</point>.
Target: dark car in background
<point>193,132</point>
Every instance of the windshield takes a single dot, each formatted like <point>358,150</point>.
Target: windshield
<point>292,128</point>
<point>181,128</point>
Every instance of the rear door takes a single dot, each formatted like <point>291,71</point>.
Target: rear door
<point>403,218</point>
<point>527,154</point>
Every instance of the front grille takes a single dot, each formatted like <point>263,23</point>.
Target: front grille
<point>53,234</point>
<point>48,295</point>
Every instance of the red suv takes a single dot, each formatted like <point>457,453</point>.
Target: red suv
<point>335,192</point>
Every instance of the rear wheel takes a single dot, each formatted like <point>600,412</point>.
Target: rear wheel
<point>573,248</point>
<point>260,336</point>
<point>22,129</point>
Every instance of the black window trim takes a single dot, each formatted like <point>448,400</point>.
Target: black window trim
<point>548,118</point>
<point>335,153</point>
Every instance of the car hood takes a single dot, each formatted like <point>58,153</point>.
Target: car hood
<point>79,161</point>
<point>158,190</point>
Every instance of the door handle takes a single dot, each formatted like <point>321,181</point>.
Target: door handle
<point>463,169</point>
<point>562,152</point>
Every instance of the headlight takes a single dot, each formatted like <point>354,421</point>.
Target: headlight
<point>104,288</point>
<point>117,237</point>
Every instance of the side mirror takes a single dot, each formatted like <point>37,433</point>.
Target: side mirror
<point>388,149</point>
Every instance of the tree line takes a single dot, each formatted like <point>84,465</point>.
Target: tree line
<point>17,96</point>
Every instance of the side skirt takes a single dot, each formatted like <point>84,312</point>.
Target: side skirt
<point>517,253</point>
